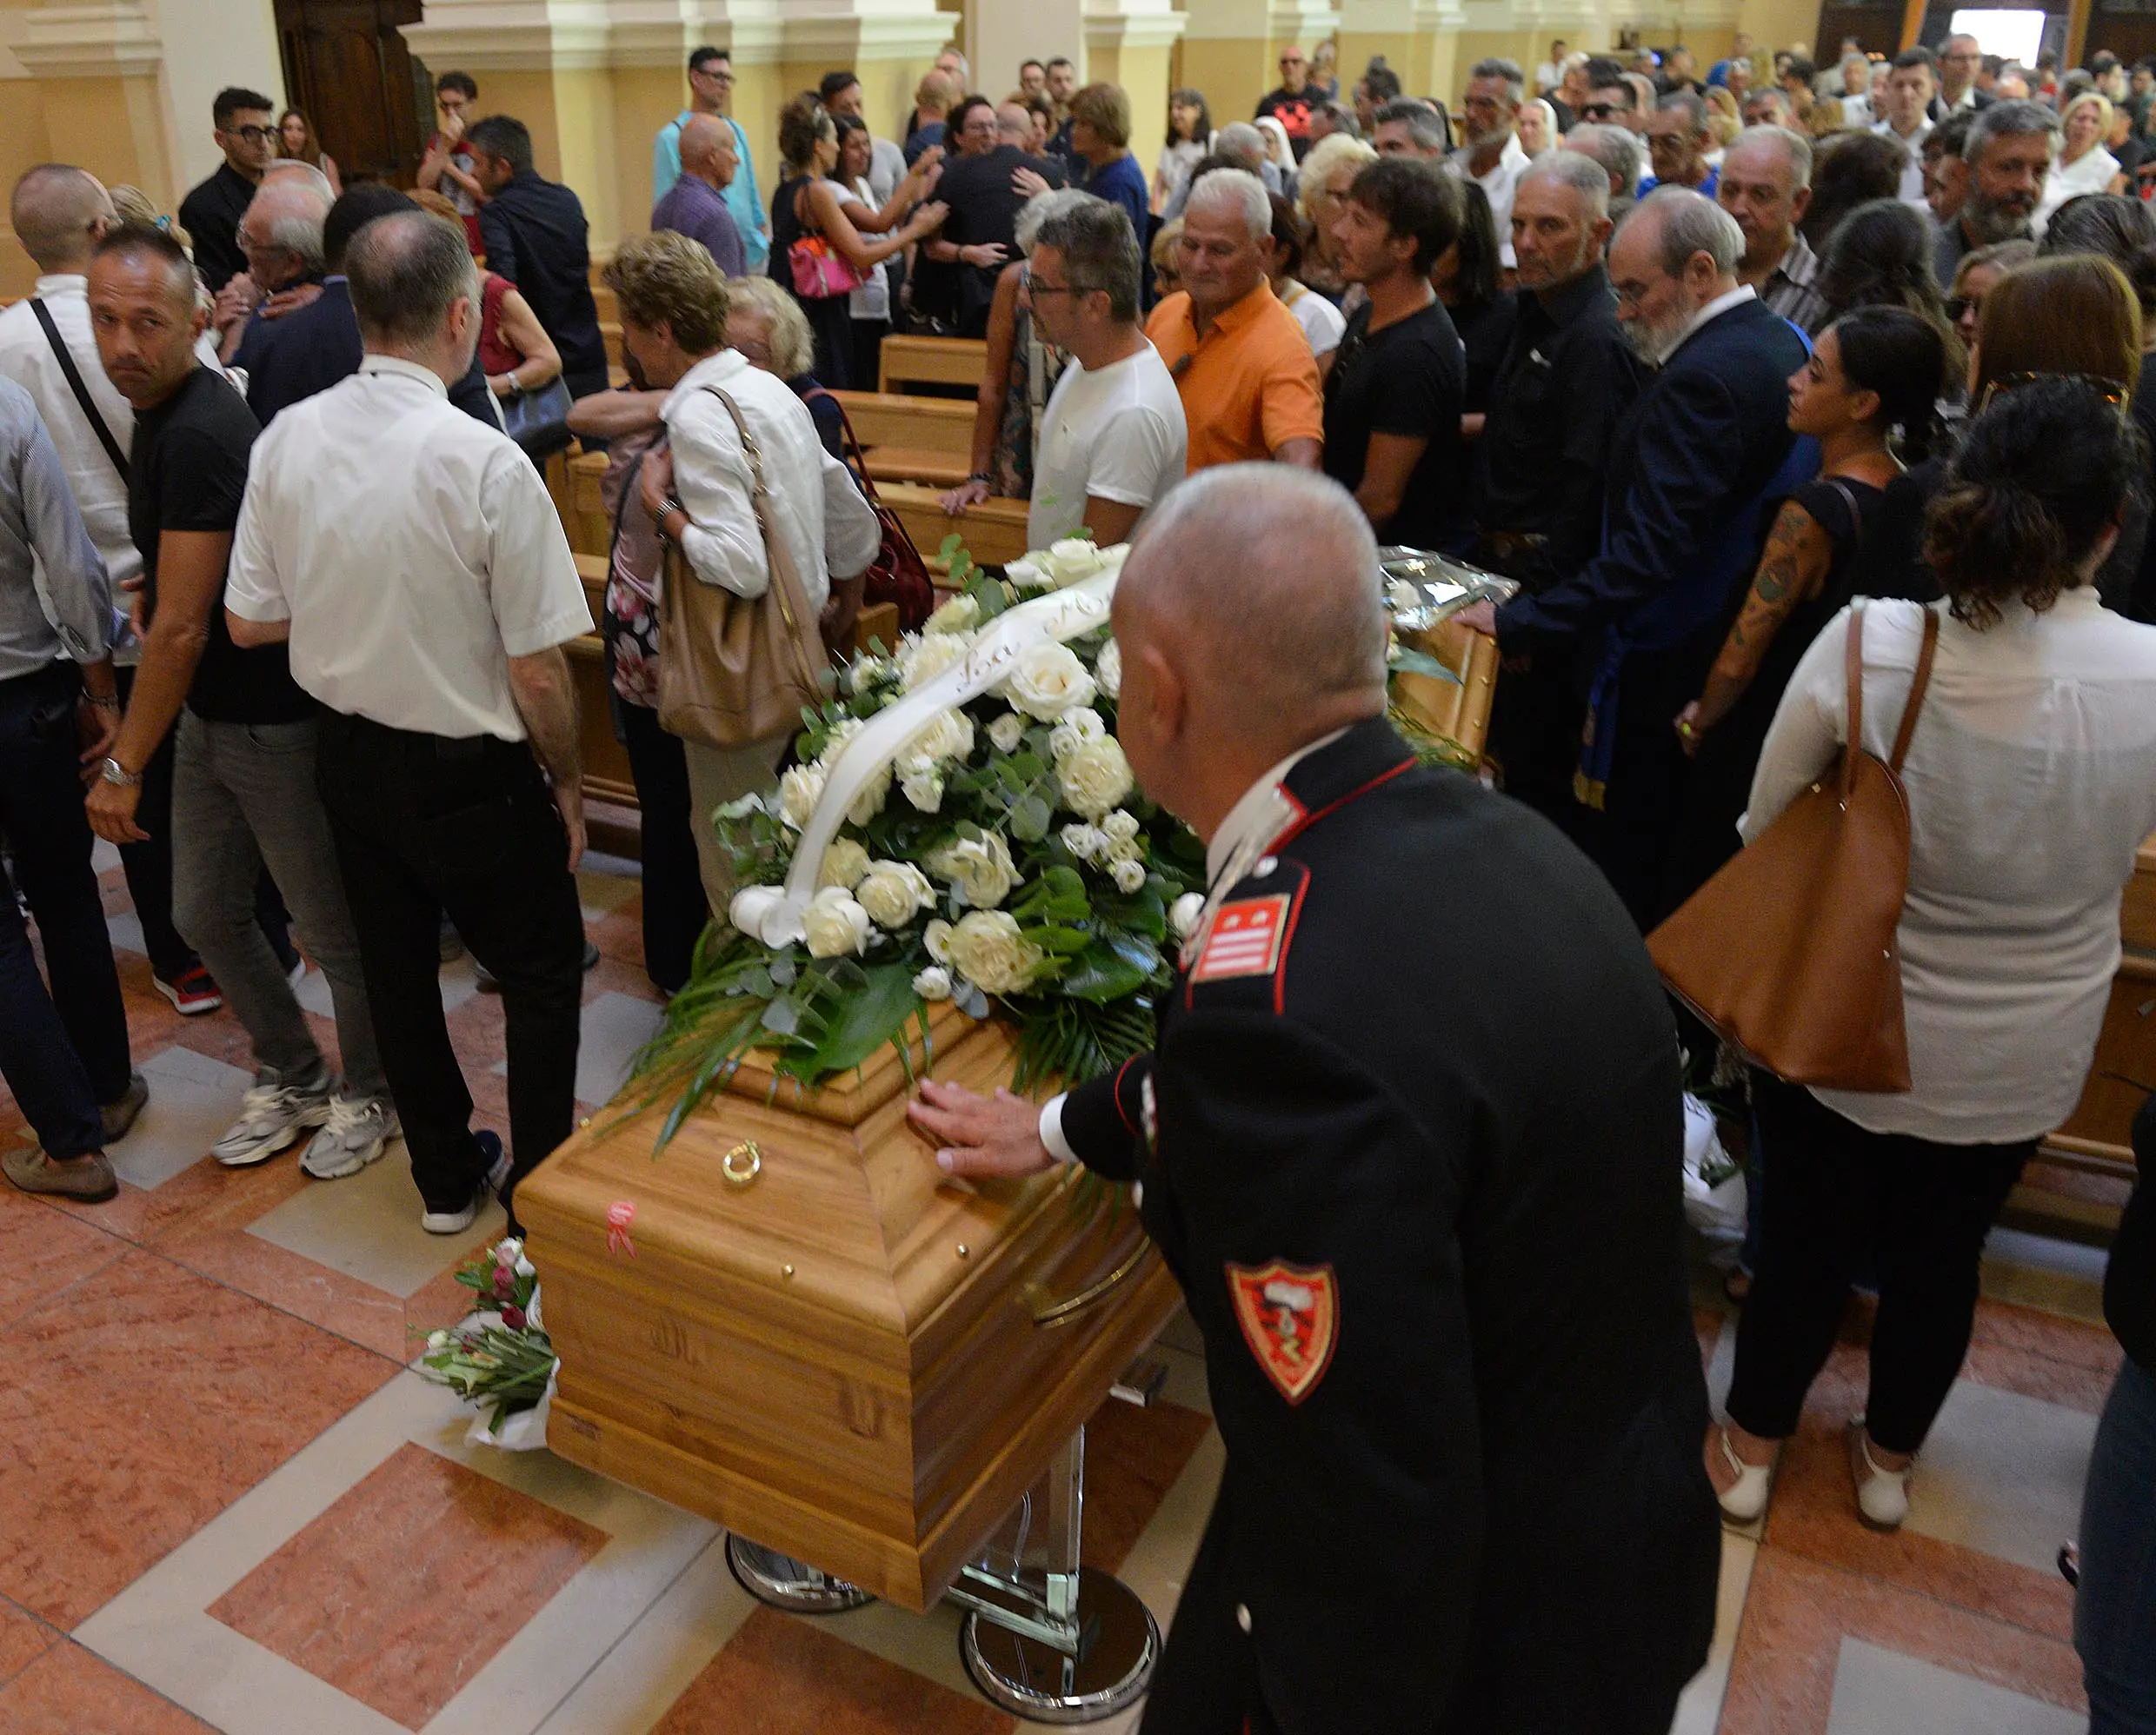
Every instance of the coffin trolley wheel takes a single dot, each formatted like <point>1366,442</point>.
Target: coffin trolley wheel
<point>784,1582</point>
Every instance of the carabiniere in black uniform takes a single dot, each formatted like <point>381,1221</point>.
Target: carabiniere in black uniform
<point>1411,1141</point>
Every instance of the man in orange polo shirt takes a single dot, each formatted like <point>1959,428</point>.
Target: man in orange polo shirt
<point>1248,381</point>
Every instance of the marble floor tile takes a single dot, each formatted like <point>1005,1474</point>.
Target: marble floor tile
<point>159,1629</point>
<point>357,1312</point>
<point>782,1676</point>
<point>410,1583</point>
<point>602,892</point>
<point>1879,1691</point>
<point>103,857</point>
<point>615,1027</point>
<point>367,1226</point>
<point>23,1640</point>
<point>139,1408</point>
<point>1133,1457</point>
<point>1798,1611</point>
<point>126,929</point>
<point>44,1252</point>
<point>2002,1474</point>
<point>192,1100</point>
<point>69,1691</point>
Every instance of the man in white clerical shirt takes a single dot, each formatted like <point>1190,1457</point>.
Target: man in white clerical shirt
<point>695,485</point>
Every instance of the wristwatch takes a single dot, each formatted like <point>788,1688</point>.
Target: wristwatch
<point>113,772</point>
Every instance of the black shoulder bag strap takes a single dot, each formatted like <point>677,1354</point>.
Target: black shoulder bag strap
<point>82,392</point>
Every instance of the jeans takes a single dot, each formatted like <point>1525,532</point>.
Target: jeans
<point>149,869</point>
<point>675,908</point>
<point>425,824</point>
<point>65,1051</point>
<point>243,797</point>
<point>2114,1615</point>
<point>1833,1193</point>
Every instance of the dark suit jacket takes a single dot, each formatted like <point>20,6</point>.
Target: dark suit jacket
<point>1703,439</point>
<point>984,208</point>
<point>1486,1511</point>
<point>537,237</point>
<point>303,353</point>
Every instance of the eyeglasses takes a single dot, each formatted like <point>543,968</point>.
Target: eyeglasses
<point>1599,111</point>
<point>251,135</point>
<point>718,75</point>
<point>1959,305</point>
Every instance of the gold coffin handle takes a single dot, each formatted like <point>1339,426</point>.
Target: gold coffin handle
<point>1062,1313</point>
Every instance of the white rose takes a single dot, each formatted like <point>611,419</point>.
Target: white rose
<point>1006,731</point>
<point>1084,841</point>
<point>1076,729</point>
<point>924,659</point>
<point>948,735</point>
<point>1028,573</point>
<point>525,1267</point>
<point>1048,680</point>
<point>800,790</point>
<point>835,924</point>
<point>1129,873</point>
<point>923,787</point>
<point>842,732</point>
<point>934,983</point>
<point>961,614</point>
<point>844,862</point>
<point>987,950</point>
<point>1072,559</point>
<point>1095,778</point>
<point>1120,827</point>
<point>894,892</point>
<point>1183,913</point>
<point>1112,556</point>
<point>438,1340</point>
<point>866,671</point>
<point>980,868</point>
<point>1108,669</point>
<point>936,938</point>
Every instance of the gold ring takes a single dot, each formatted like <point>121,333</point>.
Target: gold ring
<point>742,1164</point>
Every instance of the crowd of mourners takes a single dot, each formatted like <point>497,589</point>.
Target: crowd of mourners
<point>1712,362</point>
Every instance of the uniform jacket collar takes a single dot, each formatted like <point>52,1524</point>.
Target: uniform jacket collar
<point>1352,764</point>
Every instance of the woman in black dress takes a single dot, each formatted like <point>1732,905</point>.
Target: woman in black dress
<point>1871,372</point>
<point>809,223</point>
<point>1469,278</point>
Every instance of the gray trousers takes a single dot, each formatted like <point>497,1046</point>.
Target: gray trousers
<point>243,795</point>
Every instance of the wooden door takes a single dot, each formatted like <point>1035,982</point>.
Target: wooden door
<point>2127,28</point>
<point>1876,28</point>
<point>349,71</point>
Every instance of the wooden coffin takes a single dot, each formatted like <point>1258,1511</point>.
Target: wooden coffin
<point>2098,1134</point>
<point>848,1359</point>
<point>1458,710</point>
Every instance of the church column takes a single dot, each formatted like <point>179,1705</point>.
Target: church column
<point>887,44</point>
<point>1419,39</point>
<point>1129,43</point>
<point>1231,50</point>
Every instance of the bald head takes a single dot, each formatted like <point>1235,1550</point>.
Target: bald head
<point>708,150</point>
<point>1014,123</point>
<point>1251,623</point>
<point>58,213</point>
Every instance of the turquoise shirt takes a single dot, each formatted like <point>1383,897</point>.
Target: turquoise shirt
<point>743,202</point>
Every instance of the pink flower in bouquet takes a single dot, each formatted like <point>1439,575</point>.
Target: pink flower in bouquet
<point>513,1317</point>
<point>504,1280</point>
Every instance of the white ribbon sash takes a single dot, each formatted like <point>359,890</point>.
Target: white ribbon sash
<point>1054,618</point>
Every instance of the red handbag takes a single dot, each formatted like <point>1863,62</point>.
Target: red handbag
<point>898,575</point>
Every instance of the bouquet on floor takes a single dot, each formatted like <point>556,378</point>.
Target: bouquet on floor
<point>960,824</point>
<point>500,1359</point>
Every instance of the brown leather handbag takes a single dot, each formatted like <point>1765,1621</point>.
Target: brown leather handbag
<point>1789,952</point>
<point>736,670</point>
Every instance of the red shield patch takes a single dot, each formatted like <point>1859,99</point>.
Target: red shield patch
<point>1290,1317</point>
<point>1245,940</point>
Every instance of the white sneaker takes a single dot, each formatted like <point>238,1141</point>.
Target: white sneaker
<point>1882,1495</point>
<point>357,1132</point>
<point>456,1222</point>
<point>1744,1499</point>
<point>272,1116</point>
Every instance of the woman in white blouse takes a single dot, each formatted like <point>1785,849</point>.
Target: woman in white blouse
<point>2084,166</point>
<point>2031,781</point>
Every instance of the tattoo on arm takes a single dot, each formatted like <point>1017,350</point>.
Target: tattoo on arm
<point>1798,553</point>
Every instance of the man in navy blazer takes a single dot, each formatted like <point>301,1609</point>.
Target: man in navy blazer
<point>1695,471</point>
<point>311,348</point>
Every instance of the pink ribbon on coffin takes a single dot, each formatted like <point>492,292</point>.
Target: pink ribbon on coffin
<point>619,1216</point>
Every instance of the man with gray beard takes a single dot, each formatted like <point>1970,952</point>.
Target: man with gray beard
<point>1564,386</point>
<point>1492,157</point>
<point>1691,469</point>
<point>2006,159</point>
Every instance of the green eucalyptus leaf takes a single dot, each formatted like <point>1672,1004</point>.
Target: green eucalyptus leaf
<point>1421,662</point>
<point>1029,819</point>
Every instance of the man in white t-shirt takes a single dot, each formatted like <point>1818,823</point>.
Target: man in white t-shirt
<point>1112,438</point>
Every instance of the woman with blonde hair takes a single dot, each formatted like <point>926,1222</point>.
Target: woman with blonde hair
<point>768,327</point>
<point>1327,172</point>
<point>2083,164</point>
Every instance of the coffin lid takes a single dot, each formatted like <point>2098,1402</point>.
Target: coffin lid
<point>845,1194</point>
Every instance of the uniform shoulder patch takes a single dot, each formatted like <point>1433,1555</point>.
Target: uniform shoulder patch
<point>1290,1317</point>
<point>1245,940</point>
